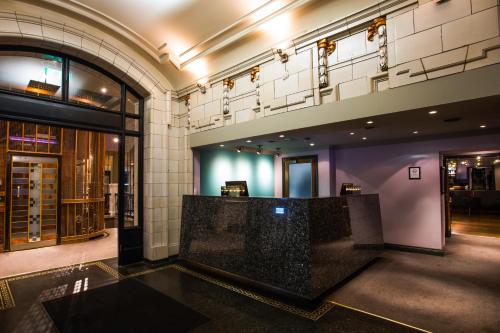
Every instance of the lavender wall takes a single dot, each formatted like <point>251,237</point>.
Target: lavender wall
<point>412,210</point>
<point>323,172</point>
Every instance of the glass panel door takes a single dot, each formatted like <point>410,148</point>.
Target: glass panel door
<point>33,202</point>
<point>300,180</point>
<point>300,177</point>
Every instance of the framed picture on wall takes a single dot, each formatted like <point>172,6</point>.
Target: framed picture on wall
<point>414,173</point>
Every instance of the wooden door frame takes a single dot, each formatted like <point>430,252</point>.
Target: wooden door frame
<point>313,159</point>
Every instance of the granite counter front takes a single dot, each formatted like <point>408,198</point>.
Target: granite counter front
<point>297,247</point>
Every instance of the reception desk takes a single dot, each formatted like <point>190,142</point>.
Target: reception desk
<point>296,247</point>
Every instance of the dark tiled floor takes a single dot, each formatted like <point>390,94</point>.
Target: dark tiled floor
<point>229,311</point>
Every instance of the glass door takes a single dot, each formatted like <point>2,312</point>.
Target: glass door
<point>33,201</point>
<point>300,177</point>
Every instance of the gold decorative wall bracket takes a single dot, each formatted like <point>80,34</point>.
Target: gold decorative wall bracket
<point>253,73</point>
<point>186,99</point>
<point>330,46</point>
<point>229,83</point>
<point>372,28</point>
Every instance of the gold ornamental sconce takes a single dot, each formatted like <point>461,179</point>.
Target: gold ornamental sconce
<point>330,46</point>
<point>372,28</point>
<point>229,83</point>
<point>253,73</point>
<point>186,99</point>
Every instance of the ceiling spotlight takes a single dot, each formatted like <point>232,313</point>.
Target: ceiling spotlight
<point>352,133</point>
<point>433,112</point>
<point>116,140</point>
<point>369,122</point>
<point>221,145</point>
<point>478,158</point>
<point>364,138</point>
<point>238,149</point>
<point>482,126</point>
<point>282,135</point>
<point>311,144</point>
<point>259,150</point>
<point>248,141</point>
<point>104,90</point>
<point>415,132</point>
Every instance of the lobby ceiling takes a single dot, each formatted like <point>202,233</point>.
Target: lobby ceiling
<point>187,37</point>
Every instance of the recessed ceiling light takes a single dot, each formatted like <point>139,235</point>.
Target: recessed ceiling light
<point>248,141</point>
<point>482,126</point>
<point>415,132</point>
<point>364,138</point>
<point>433,112</point>
<point>104,90</point>
<point>282,135</point>
<point>221,145</point>
<point>116,140</point>
<point>369,122</point>
<point>352,133</point>
<point>311,144</point>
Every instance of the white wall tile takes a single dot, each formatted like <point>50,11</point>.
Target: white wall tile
<point>244,115</point>
<point>365,68</point>
<point>286,87</point>
<point>217,91</point>
<point>419,45</point>
<point>471,29</point>
<point>197,113</point>
<point>243,85</point>
<point>339,75</point>
<point>492,57</point>
<point>372,46</point>
<point>403,25</point>
<point>396,80</point>
<point>299,62</point>
<point>271,71</point>
<point>9,25</point>
<point>212,108</point>
<point>267,92</point>
<point>352,46</point>
<point>354,88</point>
<point>478,50</point>
<point>444,59</point>
<point>306,80</point>
<point>479,5</point>
<point>432,14</point>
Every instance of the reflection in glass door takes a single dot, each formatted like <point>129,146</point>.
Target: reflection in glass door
<point>33,202</point>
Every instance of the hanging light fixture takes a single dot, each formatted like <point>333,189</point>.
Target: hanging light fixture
<point>259,150</point>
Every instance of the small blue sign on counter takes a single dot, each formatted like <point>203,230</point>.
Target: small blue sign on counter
<point>279,210</point>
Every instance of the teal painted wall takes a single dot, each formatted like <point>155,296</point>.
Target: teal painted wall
<point>217,166</point>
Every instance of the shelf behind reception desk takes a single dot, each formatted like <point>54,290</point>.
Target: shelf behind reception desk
<point>299,248</point>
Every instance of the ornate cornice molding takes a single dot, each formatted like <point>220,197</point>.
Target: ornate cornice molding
<point>360,20</point>
<point>105,20</point>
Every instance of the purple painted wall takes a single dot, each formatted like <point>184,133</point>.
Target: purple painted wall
<point>412,210</point>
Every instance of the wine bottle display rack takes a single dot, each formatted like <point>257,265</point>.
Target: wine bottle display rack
<point>51,185</point>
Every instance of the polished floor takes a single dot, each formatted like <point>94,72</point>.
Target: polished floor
<point>400,292</point>
<point>27,261</point>
<point>479,225</point>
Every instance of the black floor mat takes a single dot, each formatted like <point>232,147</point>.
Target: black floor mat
<point>126,306</point>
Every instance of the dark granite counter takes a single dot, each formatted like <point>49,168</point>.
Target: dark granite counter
<point>303,252</point>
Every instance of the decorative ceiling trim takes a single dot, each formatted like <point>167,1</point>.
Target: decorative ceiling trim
<point>212,45</point>
<point>107,21</point>
<point>339,28</point>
